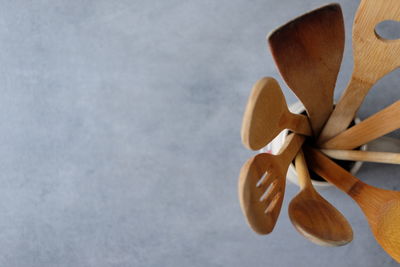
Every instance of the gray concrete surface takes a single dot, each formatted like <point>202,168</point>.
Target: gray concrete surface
<point>120,139</point>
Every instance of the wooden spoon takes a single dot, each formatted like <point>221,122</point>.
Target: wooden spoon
<point>267,114</point>
<point>381,123</point>
<point>358,155</point>
<point>308,52</point>
<point>314,217</point>
<point>374,57</point>
<point>262,184</point>
<point>381,207</point>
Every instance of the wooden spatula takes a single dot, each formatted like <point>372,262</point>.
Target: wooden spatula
<point>374,57</point>
<point>379,124</point>
<point>262,184</point>
<point>308,52</point>
<point>381,207</point>
<point>358,155</point>
<point>267,114</point>
<point>314,217</point>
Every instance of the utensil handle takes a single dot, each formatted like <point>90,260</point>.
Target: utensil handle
<point>302,171</point>
<point>379,124</point>
<point>370,156</point>
<point>299,124</point>
<point>332,172</point>
<point>291,146</point>
<point>346,109</point>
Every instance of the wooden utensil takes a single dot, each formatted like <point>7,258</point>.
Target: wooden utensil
<point>267,114</point>
<point>308,52</point>
<point>381,123</point>
<point>358,155</point>
<point>314,217</point>
<point>374,57</point>
<point>381,207</point>
<point>262,184</point>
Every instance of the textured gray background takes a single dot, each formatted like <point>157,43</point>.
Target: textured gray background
<point>120,139</point>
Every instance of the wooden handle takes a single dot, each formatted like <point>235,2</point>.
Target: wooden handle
<point>302,172</point>
<point>381,123</point>
<point>357,155</point>
<point>332,172</point>
<point>291,146</point>
<point>345,110</point>
<point>299,124</point>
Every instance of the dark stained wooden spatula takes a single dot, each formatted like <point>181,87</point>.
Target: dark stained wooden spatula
<point>308,52</point>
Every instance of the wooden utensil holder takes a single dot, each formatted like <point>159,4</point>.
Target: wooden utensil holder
<point>276,144</point>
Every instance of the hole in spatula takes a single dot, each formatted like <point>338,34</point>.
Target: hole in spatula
<point>262,180</point>
<point>267,192</point>
<point>388,29</point>
<point>273,203</point>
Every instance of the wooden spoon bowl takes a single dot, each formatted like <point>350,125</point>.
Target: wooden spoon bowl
<point>313,216</point>
<point>319,221</point>
<point>267,114</point>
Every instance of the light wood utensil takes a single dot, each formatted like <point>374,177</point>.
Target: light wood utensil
<point>267,114</point>
<point>374,57</point>
<point>379,124</point>
<point>313,216</point>
<point>358,155</point>
<point>381,207</point>
<point>262,184</point>
<point>308,52</point>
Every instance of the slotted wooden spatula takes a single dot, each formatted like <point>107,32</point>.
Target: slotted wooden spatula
<point>308,52</point>
<point>262,184</point>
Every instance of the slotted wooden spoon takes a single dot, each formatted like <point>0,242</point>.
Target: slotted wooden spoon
<point>314,217</point>
<point>374,57</point>
<point>261,173</point>
<point>308,52</point>
<point>267,114</point>
<point>379,124</point>
<point>381,207</point>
